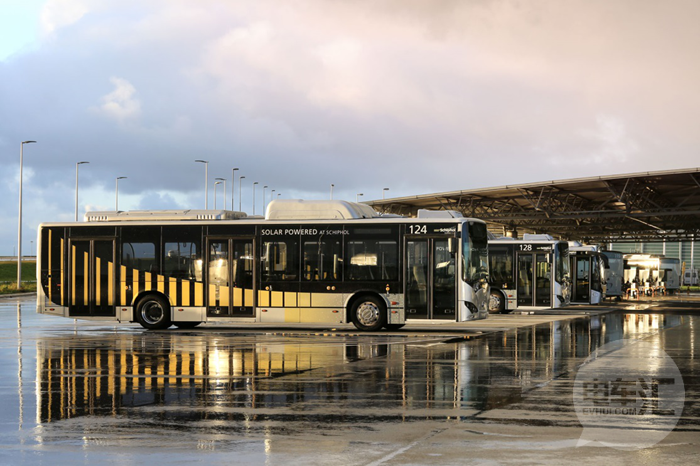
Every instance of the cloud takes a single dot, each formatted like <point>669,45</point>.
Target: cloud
<point>57,14</point>
<point>412,95</point>
<point>120,104</point>
<point>607,144</point>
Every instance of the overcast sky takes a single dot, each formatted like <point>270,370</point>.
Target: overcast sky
<point>418,96</point>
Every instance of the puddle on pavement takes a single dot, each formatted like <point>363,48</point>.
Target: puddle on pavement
<point>101,382</point>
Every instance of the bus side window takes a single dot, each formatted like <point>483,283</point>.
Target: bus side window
<point>181,261</point>
<point>322,261</point>
<point>371,260</point>
<point>280,260</point>
<point>140,256</point>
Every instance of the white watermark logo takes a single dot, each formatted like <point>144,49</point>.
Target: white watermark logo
<point>628,395</point>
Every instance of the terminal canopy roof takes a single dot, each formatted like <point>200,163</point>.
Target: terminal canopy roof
<point>649,206</point>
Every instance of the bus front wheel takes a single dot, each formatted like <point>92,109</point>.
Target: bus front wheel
<point>153,313</point>
<point>368,313</point>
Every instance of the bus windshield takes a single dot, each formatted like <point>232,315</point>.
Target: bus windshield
<point>475,252</point>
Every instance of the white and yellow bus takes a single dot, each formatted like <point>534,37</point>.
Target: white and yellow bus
<point>306,261</point>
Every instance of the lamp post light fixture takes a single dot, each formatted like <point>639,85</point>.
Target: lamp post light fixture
<point>206,182</point>
<point>215,184</point>
<point>233,183</point>
<point>19,223</point>
<point>223,180</point>
<point>357,197</point>
<point>254,183</point>
<point>240,192</point>
<point>384,192</point>
<point>76,188</point>
<point>116,193</point>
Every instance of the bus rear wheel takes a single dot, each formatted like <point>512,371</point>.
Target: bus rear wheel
<point>153,313</point>
<point>368,313</point>
<point>496,302</point>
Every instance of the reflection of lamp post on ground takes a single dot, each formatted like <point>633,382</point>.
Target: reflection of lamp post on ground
<point>19,227</point>
<point>215,184</point>
<point>206,182</point>
<point>76,189</point>
<point>116,193</point>
<point>223,180</point>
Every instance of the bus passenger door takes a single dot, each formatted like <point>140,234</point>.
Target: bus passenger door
<point>430,279</point>
<point>582,279</point>
<point>543,280</point>
<point>534,279</point>
<point>525,279</point>
<point>92,275</point>
<point>231,278</point>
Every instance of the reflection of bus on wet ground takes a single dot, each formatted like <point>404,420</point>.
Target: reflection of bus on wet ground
<point>588,272</point>
<point>176,381</point>
<point>532,272</point>
<point>652,273</point>
<point>318,261</point>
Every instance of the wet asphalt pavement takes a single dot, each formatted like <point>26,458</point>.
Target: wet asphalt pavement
<point>88,393</point>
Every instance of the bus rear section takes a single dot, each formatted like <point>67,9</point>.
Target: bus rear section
<point>528,273</point>
<point>345,263</point>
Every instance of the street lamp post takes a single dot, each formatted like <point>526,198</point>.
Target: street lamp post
<point>254,183</point>
<point>76,188</point>
<point>116,193</point>
<point>332,185</point>
<point>206,182</point>
<point>215,184</point>
<point>264,200</point>
<point>233,183</point>
<point>240,192</point>
<point>19,227</point>
<point>357,197</point>
<point>223,180</point>
<point>384,192</point>
<point>272,195</point>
